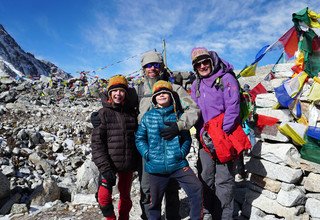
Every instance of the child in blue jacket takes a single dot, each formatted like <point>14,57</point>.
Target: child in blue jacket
<point>165,159</point>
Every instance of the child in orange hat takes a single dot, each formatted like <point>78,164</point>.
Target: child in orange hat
<point>166,159</point>
<point>113,148</point>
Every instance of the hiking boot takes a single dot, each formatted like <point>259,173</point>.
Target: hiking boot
<point>207,216</point>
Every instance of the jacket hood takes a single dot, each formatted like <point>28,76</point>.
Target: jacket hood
<point>219,68</point>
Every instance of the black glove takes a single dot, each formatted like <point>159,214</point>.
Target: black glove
<point>95,119</point>
<point>171,131</point>
<point>111,178</point>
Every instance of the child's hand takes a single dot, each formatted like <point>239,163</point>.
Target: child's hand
<point>110,177</point>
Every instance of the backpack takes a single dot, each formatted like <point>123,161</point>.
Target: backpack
<point>247,105</point>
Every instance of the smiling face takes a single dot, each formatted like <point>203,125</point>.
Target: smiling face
<point>118,96</point>
<point>152,70</point>
<point>163,99</point>
<point>204,67</point>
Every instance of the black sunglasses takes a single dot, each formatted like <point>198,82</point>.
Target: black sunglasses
<point>155,65</point>
<point>203,62</point>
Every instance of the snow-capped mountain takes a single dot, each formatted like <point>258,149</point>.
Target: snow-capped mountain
<point>15,62</point>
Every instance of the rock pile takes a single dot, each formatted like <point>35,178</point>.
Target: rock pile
<point>281,184</point>
<point>45,156</point>
<point>44,144</point>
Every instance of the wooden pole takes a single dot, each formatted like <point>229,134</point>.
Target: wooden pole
<point>164,53</point>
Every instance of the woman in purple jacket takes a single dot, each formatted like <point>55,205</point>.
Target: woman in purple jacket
<point>216,92</point>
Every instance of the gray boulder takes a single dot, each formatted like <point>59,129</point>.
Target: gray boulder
<point>49,191</point>
<point>87,177</point>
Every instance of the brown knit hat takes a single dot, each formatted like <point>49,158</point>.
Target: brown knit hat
<point>198,54</point>
<point>117,82</point>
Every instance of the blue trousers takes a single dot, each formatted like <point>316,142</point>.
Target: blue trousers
<point>187,180</point>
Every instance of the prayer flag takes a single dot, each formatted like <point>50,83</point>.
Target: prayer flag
<point>287,92</point>
<point>301,16</point>
<point>290,42</point>
<point>314,22</point>
<point>263,120</point>
<point>249,70</point>
<point>283,97</point>
<point>299,63</point>
<point>294,85</point>
<point>261,53</point>
<point>258,89</point>
<point>314,93</point>
<point>295,131</point>
<point>316,44</point>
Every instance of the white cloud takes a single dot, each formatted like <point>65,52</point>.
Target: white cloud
<point>232,28</point>
<point>105,32</point>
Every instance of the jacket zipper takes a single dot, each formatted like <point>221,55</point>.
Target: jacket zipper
<point>123,122</point>
<point>165,151</point>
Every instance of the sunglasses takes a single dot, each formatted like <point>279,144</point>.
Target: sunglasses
<point>155,65</point>
<point>203,62</point>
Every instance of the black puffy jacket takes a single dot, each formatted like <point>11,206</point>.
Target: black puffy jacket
<point>112,142</point>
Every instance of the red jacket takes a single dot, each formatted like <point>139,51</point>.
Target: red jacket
<point>227,146</point>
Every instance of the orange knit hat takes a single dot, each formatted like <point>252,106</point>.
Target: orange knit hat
<point>159,87</point>
<point>117,82</point>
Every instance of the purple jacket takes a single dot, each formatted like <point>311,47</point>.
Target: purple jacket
<point>213,100</point>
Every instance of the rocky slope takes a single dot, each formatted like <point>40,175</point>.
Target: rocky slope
<point>45,157</point>
<point>45,154</point>
<point>15,62</point>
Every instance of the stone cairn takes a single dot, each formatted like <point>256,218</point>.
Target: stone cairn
<point>280,184</point>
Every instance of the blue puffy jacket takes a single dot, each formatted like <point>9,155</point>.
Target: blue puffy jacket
<point>160,155</point>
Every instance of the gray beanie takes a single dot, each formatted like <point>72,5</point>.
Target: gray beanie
<point>151,57</point>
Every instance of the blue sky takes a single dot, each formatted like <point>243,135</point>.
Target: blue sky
<point>88,35</point>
